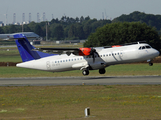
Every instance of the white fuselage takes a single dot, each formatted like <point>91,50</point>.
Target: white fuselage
<point>107,57</point>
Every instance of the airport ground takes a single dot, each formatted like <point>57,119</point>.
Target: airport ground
<point>106,102</point>
<point>109,97</point>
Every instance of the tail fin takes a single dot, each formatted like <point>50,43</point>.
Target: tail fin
<point>26,49</point>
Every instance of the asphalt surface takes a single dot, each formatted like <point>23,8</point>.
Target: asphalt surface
<point>53,81</point>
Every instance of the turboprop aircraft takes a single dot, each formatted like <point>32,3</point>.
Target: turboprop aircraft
<point>84,59</point>
<point>29,35</point>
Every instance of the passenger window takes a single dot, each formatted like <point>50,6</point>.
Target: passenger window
<point>109,54</point>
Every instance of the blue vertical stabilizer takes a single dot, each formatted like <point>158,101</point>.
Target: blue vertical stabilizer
<point>26,49</point>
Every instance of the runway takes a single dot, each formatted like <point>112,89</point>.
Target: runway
<point>53,81</point>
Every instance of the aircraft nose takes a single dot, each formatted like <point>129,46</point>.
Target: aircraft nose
<point>157,53</point>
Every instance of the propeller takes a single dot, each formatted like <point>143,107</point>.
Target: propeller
<point>93,52</point>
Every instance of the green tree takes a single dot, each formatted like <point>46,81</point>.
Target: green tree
<point>12,29</point>
<point>72,33</point>
<point>58,32</point>
<point>80,32</point>
<point>26,28</point>
<point>32,26</point>
<point>1,30</point>
<point>38,30</point>
<point>120,33</point>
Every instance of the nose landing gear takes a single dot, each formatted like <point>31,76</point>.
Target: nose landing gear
<point>150,64</point>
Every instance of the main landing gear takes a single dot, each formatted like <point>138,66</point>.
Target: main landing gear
<point>102,71</point>
<point>86,71</point>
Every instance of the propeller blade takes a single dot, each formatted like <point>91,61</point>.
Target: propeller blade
<point>93,58</point>
<point>93,52</point>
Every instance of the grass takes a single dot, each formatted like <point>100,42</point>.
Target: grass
<point>117,70</point>
<point>10,55</point>
<point>69,102</point>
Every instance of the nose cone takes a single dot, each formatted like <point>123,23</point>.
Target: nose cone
<point>156,53</point>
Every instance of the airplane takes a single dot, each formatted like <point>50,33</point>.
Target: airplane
<point>85,59</point>
<point>29,35</point>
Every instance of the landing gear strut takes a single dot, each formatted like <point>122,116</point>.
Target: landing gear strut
<point>102,71</point>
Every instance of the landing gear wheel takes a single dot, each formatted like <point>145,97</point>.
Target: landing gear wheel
<point>102,71</point>
<point>150,64</point>
<point>85,72</point>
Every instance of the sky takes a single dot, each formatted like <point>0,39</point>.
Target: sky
<point>75,8</point>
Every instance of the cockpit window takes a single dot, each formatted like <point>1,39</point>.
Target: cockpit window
<point>147,47</point>
<point>139,48</point>
<point>144,47</point>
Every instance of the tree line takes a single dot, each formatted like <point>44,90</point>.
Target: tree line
<point>80,28</point>
<point>136,16</point>
<point>136,26</point>
<point>65,28</point>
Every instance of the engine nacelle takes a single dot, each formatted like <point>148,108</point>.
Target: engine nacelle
<point>84,51</point>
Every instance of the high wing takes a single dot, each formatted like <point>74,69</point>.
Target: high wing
<point>81,51</point>
<point>76,51</point>
<point>67,51</point>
